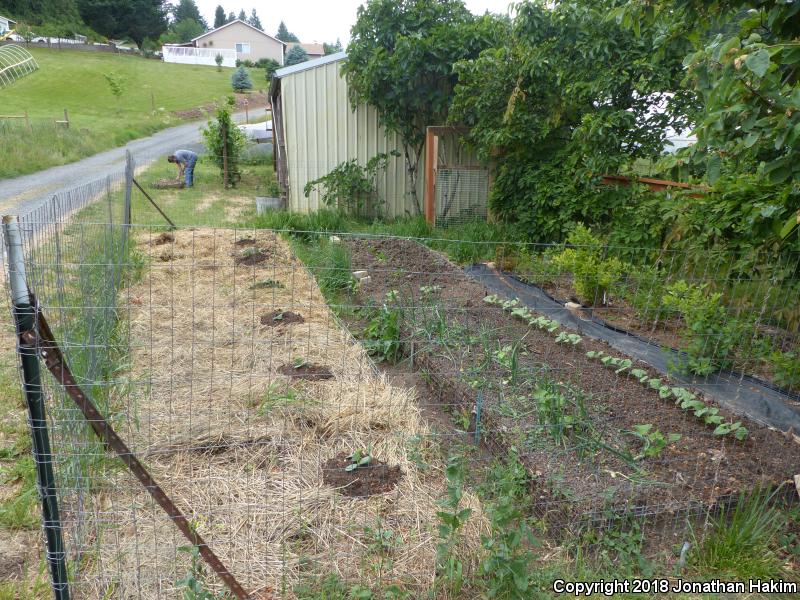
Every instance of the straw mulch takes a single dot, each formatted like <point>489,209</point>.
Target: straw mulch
<point>241,447</point>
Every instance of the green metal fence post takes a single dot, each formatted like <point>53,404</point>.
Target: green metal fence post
<point>25,319</point>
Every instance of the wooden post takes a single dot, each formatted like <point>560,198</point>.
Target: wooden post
<point>225,156</point>
<point>66,118</point>
<point>152,101</point>
<point>430,157</point>
<point>246,112</point>
<point>28,122</point>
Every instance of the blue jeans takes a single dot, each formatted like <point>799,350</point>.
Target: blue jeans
<point>188,172</point>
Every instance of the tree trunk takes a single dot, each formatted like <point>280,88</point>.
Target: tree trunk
<point>412,156</point>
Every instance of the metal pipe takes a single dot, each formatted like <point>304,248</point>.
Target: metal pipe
<point>25,320</point>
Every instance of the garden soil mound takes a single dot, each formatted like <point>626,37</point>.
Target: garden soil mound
<point>242,448</point>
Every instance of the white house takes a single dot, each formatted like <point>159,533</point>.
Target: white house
<point>5,24</point>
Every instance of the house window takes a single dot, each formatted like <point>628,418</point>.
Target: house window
<point>243,48</point>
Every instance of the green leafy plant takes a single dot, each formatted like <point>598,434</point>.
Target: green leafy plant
<point>382,333</point>
<point>299,363</point>
<point>506,564</point>
<point>559,413</point>
<point>218,59</point>
<point>710,332</point>
<point>116,84</point>
<point>786,368</point>
<point>193,586</point>
<point>225,142</point>
<point>452,518</point>
<point>594,275</point>
<point>351,188</point>
<point>653,441</point>
<point>568,338</point>
<point>358,458</point>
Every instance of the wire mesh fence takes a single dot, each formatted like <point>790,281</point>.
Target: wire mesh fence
<point>245,380</point>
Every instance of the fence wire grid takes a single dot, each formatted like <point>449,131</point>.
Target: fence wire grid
<point>259,405</point>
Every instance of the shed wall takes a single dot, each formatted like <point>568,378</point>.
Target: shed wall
<point>321,131</point>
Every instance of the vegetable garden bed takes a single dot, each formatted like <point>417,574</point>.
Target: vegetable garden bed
<point>598,433</point>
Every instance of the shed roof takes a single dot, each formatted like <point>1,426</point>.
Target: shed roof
<point>10,20</point>
<point>310,64</point>
<point>207,33</point>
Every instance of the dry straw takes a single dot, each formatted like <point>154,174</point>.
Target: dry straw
<point>240,447</point>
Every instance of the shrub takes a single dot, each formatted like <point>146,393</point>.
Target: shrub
<point>240,80</point>
<point>786,369</point>
<point>593,274</point>
<point>644,291</point>
<point>351,187</point>
<point>220,135</point>
<point>711,334</point>
<point>218,59</point>
<point>269,65</point>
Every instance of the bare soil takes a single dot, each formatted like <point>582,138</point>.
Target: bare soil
<point>281,317</point>
<point>700,470</point>
<point>374,478</point>
<point>308,371</point>
<point>164,238</point>
<point>251,259</point>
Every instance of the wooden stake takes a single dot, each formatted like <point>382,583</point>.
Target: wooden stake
<point>430,157</point>
<point>225,156</point>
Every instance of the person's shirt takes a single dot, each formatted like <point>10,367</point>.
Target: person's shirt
<point>185,156</point>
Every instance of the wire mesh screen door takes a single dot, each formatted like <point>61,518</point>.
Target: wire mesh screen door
<point>456,183</point>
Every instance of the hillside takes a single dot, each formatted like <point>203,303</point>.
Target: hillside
<point>76,81</point>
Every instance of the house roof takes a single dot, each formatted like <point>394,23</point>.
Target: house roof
<point>207,33</point>
<point>310,64</point>
<point>7,19</point>
<point>313,48</point>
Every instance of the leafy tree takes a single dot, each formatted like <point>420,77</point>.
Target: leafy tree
<point>242,16</point>
<point>254,20</point>
<point>63,13</point>
<point>400,60</point>
<point>295,55</point>
<point>182,32</point>
<point>285,35</point>
<point>219,59</point>
<point>116,84</point>
<point>240,80</point>
<point>187,9</point>
<point>567,95</point>
<point>744,63</point>
<point>332,48</point>
<point>135,19</point>
<point>224,139</point>
<point>219,17</point>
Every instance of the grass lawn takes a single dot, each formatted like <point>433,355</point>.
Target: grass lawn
<point>76,81</point>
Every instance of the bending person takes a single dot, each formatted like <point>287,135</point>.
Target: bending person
<point>186,160</point>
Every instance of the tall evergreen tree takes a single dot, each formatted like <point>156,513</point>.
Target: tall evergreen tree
<point>242,16</point>
<point>219,17</point>
<point>285,35</point>
<point>254,20</point>
<point>231,17</point>
<point>187,9</point>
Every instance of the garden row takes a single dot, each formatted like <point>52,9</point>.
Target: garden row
<point>596,431</point>
<point>719,320</point>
